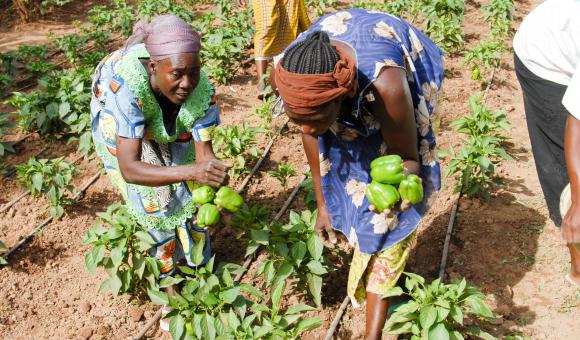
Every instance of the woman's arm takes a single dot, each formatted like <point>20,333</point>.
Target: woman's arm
<point>323,222</point>
<point>393,108</point>
<point>571,222</point>
<point>212,171</point>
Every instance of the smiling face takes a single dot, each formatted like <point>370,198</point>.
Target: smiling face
<point>176,77</point>
<point>317,123</point>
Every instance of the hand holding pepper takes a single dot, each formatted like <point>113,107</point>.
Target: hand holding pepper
<point>212,172</point>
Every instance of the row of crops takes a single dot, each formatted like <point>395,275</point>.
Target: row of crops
<point>210,303</point>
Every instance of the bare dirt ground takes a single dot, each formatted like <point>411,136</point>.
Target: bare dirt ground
<point>506,245</point>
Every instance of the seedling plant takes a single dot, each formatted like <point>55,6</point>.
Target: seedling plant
<point>437,310</point>
<point>119,246</point>
<point>50,178</point>
<point>283,174</point>
<point>238,145</point>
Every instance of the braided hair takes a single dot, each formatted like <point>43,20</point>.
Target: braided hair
<point>313,55</point>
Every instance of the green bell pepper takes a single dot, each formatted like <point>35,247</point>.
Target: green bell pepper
<point>388,169</point>
<point>411,189</point>
<point>382,196</point>
<point>229,199</point>
<point>202,195</point>
<point>208,215</point>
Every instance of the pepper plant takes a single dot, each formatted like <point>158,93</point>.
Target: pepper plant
<point>50,178</point>
<point>119,245</point>
<point>443,21</point>
<point>295,251</point>
<point>499,14</point>
<point>60,107</point>
<point>238,145</point>
<point>483,58</point>
<point>437,310</point>
<point>474,166</point>
<point>5,123</point>
<point>283,174</point>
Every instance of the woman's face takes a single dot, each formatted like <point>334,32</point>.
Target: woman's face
<point>176,76</point>
<point>317,123</point>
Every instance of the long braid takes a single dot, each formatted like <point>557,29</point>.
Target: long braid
<point>313,55</point>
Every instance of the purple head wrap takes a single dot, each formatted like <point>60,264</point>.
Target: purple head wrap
<point>164,36</point>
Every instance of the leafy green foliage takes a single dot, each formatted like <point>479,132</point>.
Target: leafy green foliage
<point>238,145</point>
<point>29,60</point>
<point>264,111</point>
<point>5,123</point>
<point>283,174</point>
<point>475,164</point>
<point>51,178</point>
<point>443,20</point>
<point>436,310</point>
<point>225,45</point>
<point>320,5</point>
<point>86,48</point>
<point>118,17</point>
<point>499,14</point>
<point>61,106</point>
<point>406,9</point>
<point>483,58</point>
<point>310,197</point>
<point>119,245</point>
<point>295,251</point>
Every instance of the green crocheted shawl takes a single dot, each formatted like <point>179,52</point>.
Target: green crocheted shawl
<point>136,78</point>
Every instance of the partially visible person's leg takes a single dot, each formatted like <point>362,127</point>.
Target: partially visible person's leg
<point>376,315</point>
<point>546,118</point>
<point>266,17</point>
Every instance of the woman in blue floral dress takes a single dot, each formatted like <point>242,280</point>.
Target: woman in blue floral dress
<point>363,84</point>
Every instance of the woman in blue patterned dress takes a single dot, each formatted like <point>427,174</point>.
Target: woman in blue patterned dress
<point>363,84</point>
<point>150,113</point>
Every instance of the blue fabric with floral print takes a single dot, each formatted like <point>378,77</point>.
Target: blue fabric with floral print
<point>346,150</point>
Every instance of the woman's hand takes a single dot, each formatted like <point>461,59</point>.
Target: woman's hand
<point>324,225</point>
<point>571,225</point>
<point>211,172</point>
<point>403,205</point>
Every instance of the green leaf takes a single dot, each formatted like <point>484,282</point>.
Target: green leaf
<point>315,246</point>
<point>427,316</point>
<point>473,330</point>
<point>93,258</point>
<point>37,182</point>
<point>207,327</point>
<point>298,251</point>
<point>315,288</point>
<point>395,291</point>
<point>299,308</point>
<point>115,284</point>
<point>261,331</point>
<point>169,281</point>
<point>177,327</point>
<point>439,332</point>
<point>145,241</point>
<point>479,307</point>
<point>260,236</point>
<point>455,335</point>
<point>316,267</point>
<point>252,290</point>
<point>456,314</point>
<point>117,254</point>
<point>230,295</point>
<point>158,297</point>
<point>277,292</point>
<point>307,325</point>
<point>197,252</point>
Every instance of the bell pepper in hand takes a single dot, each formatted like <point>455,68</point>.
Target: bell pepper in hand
<point>207,215</point>
<point>229,199</point>
<point>411,189</point>
<point>382,196</point>
<point>388,169</point>
<point>202,195</point>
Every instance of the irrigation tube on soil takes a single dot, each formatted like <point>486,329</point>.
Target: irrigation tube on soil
<point>25,193</point>
<point>48,220</point>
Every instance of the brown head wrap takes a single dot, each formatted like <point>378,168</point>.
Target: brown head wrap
<point>304,93</point>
